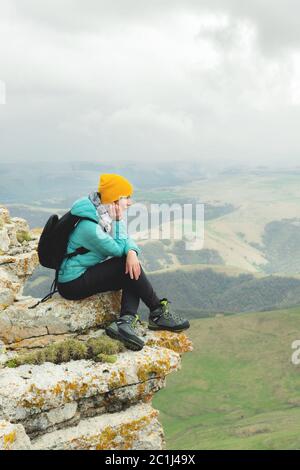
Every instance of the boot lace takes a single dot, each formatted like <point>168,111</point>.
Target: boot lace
<point>166,312</point>
<point>136,320</point>
<point>132,321</point>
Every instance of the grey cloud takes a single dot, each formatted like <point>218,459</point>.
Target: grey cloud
<point>117,93</point>
<point>277,22</point>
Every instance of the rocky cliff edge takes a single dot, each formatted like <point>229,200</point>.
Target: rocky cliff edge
<point>98,402</point>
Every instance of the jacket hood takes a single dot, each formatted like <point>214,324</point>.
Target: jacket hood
<point>85,208</point>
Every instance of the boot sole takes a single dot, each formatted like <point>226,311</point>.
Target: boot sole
<point>151,327</point>
<point>129,344</point>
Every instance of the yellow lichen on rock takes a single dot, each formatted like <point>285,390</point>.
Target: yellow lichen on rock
<point>157,369</point>
<point>178,342</point>
<point>127,432</point>
<point>68,391</point>
<point>9,439</point>
<point>119,437</point>
<point>36,400</point>
<point>117,379</point>
<point>13,436</point>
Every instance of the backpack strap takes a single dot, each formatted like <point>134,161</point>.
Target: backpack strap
<point>79,251</point>
<point>52,291</point>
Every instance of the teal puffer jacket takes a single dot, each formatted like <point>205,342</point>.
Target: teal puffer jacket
<point>91,236</point>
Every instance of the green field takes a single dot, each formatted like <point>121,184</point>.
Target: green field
<point>238,389</point>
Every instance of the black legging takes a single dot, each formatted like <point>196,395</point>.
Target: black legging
<point>109,276</point>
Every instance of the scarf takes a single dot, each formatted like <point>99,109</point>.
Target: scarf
<point>105,219</point>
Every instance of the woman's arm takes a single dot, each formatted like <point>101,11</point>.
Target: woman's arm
<point>95,239</point>
<point>131,245</point>
<point>119,232</point>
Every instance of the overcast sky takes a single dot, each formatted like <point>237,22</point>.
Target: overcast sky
<point>157,79</point>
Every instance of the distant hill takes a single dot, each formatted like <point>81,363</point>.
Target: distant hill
<point>202,290</point>
<point>282,245</point>
<point>238,388</point>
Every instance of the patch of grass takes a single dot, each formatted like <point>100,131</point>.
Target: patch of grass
<point>238,389</point>
<point>106,358</point>
<point>102,349</point>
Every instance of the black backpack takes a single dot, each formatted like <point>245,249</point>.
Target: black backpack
<point>53,242</point>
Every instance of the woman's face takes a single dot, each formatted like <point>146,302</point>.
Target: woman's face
<point>124,202</point>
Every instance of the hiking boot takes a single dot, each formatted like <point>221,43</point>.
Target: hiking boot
<point>162,319</point>
<point>125,330</point>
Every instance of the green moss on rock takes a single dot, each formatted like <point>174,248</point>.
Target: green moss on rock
<point>23,235</point>
<point>106,358</point>
<point>102,349</point>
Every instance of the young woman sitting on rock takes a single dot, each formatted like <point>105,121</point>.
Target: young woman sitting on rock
<point>112,263</point>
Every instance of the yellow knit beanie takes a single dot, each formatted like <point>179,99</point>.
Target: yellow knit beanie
<point>112,186</point>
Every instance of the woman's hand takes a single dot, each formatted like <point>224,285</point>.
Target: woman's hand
<point>133,266</point>
<point>116,211</point>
